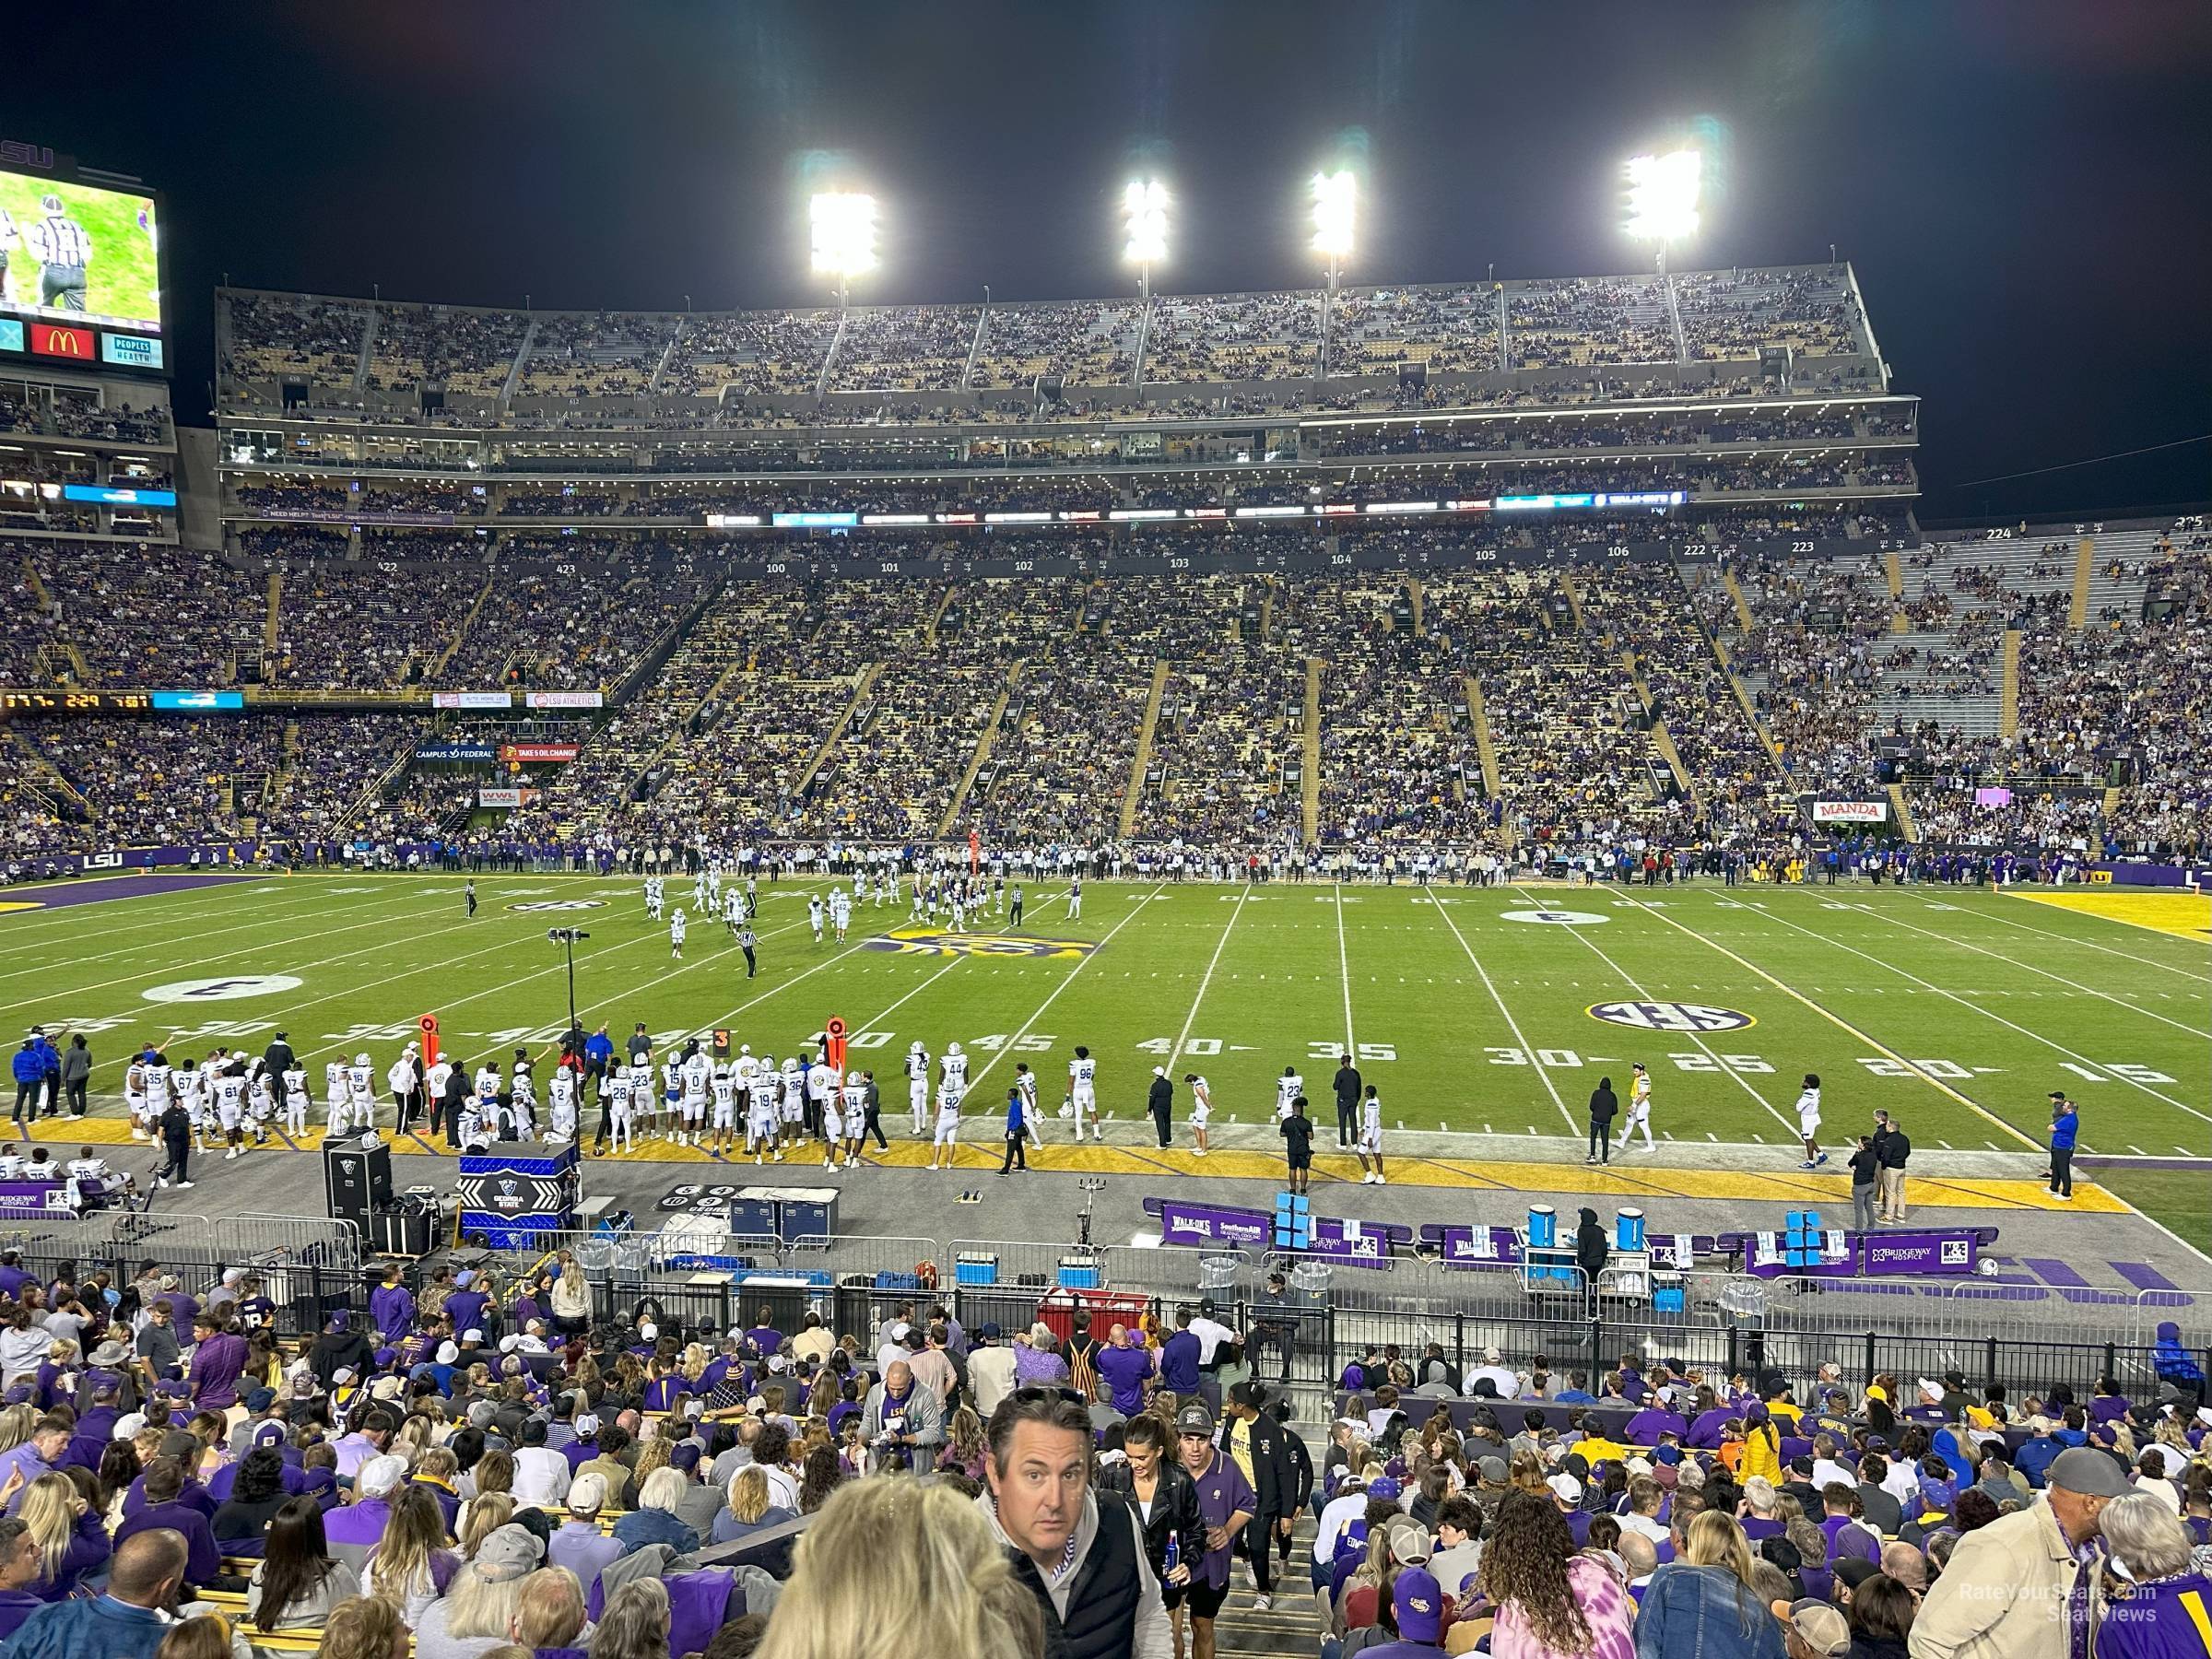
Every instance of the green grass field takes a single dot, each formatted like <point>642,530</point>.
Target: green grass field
<point>1957,1009</point>
<point>124,279</point>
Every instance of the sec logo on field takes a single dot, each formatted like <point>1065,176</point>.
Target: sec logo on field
<point>1686,1018</point>
<point>1556,918</point>
<point>561,904</point>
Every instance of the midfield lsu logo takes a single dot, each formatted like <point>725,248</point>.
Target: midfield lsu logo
<point>930,941</point>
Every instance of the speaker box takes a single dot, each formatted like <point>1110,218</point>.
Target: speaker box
<point>357,1182</point>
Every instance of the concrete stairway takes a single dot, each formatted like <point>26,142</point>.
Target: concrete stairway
<point>2008,687</point>
<point>1130,796</point>
<point>1291,1628</point>
<point>983,753</point>
<point>1313,748</point>
<point>2077,609</point>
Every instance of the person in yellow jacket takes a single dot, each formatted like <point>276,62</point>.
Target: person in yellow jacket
<point>1763,1447</point>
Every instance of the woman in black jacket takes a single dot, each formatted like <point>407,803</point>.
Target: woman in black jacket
<point>1166,1501</point>
<point>1604,1107</point>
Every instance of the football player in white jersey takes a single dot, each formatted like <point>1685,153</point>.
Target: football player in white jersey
<point>360,1093</point>
<point>959,911</point>
<point>522,1098</point>
<point>955,1066</point>
<point>653,898</point>
<point>295,1100</point>
<point>1639,1108</point>
<point>1370,1139</point>
<point>1083,1093</point>
<point>336,1093</point>
<point>1808,1122</point>
<point>829,1109</point>
<point>947,1136</point>
<point>723,1087</point>
<point>822,1083</point>
<point>560,1096</point>
<point>814,915</point>
<point>698,1071</point>
<point>191,1093</point>
<point>913,911</point>
<point>1287,1088</point>
<point>1025,1085</point>
<point>733,911</point>
<point>1202,1107</point>
<point>676,935</point>
<point>485,1124</point>
<point>762,1122</point>
<point>134,1098</point>
<point>856,1116</point>
<point>159,1088</point>
<point>621,1088</point>
<point>1075,898</point>
<point>793,1081</point>
<point>230,1108</point>
<point>917,1088</point>
<point>841,912</point>
<point>667,1103</point>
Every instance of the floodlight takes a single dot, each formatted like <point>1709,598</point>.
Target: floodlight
<point>1336,196</point>
<point>1663,196</point>
<point>844,233</point>
<point>1145,211</point>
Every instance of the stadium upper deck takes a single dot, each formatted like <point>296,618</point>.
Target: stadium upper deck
<point>1801,329</point>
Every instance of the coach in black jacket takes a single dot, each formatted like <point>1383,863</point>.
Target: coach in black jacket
<point>1274,1482</point>
<point>1301,1474</point>
<point>1348,1101</point>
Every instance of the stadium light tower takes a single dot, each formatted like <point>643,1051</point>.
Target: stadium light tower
<point>1145,212</point>
<point>844,236</point>
<point>1663,198</point>
<point>1336,202</point>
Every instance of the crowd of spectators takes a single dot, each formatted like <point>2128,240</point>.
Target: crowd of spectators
<point>1233,337</point>
<point>1579,321</point>
<point>278,337</point>
<point>1738,313</point>
<point>612,354</point>
<point>1085,343</point>
<point>466,350</point>
<point>1452,329</point>
<point>905,349</point>
<point>774,354</point>
<point>1646,611</point>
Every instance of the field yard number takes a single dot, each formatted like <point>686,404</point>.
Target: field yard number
<point>1032,1044</point>
<point>2126,1073</point>
<point>1948,1069</point>
<point>1716,1063</point>
<point>1328,1048</point>
<point>1562,1058</point>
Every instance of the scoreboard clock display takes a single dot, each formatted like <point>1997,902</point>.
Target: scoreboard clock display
<point>65,702</point>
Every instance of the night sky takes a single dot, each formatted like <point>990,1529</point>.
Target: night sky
<point>2022,184</point>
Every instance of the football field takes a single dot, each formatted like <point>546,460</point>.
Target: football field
<point>1489,1010</point>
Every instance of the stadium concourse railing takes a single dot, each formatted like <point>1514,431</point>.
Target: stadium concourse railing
<point>701,1283</point>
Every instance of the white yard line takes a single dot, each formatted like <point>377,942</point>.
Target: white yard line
<point>204,962</point>
<point>559,968</point>
<point>2201,979</point>
<point>1883,1049</point>
<point>1995,956</point>
<point>1513,1025</point>
<point>1345,969</point>
<point>1986,1013</point>
<point>159,942</point>
<point>1135,910</point>
<point>1207,977</point>
<point>1789,1125</point>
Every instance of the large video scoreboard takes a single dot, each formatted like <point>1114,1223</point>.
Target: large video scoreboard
<point>81,268</point>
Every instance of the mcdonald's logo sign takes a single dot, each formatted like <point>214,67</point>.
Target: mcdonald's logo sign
<point>53,339</point>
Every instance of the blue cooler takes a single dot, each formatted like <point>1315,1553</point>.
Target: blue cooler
<point>1627,1230</point>
<point>974,1267</point>
<point>1543,1227</point>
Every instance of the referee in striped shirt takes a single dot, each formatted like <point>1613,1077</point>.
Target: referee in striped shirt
<point>63,249</point>
<point>746,941</point>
